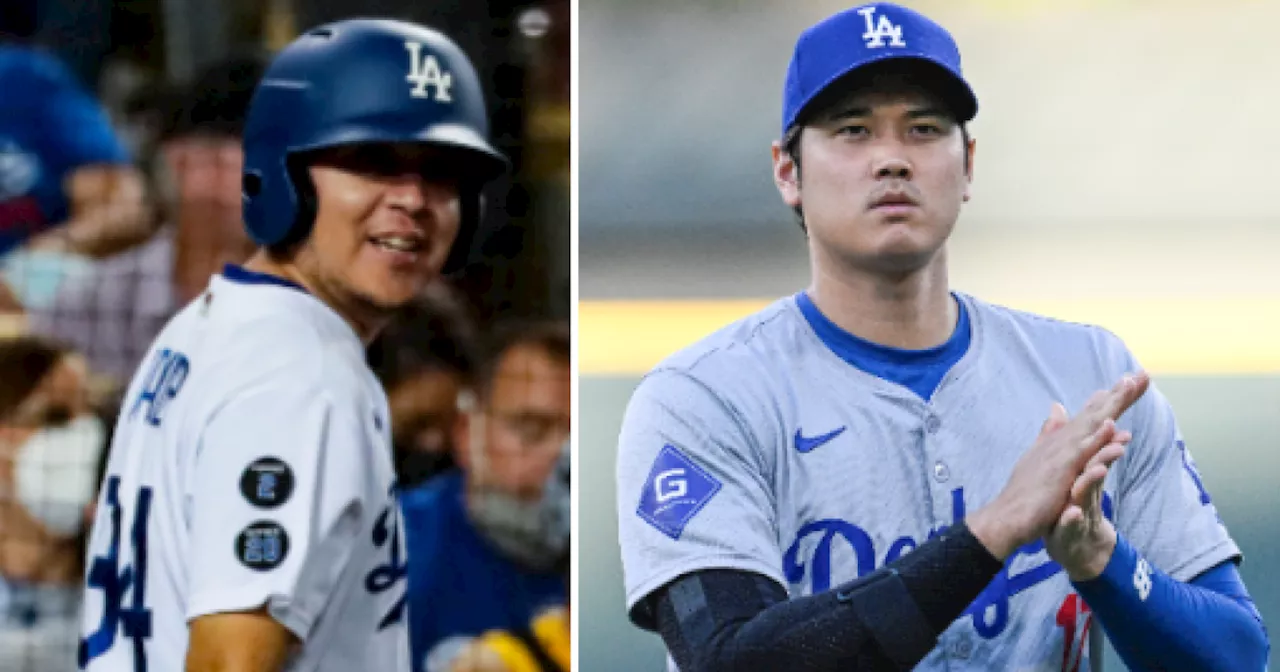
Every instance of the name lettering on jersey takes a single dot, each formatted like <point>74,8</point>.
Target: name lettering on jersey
<point>163,381</point>
<point>990,611</point>
<point>263,545</point>
<point>426,72</point>
<point>267,482</point>
<point>675,491</point>
<point>877,31</point>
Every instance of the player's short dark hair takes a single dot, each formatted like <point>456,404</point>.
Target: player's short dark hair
<point>435,332</point>
<point>824,104</point>
<point>24,362</point>
<point>552,337</point>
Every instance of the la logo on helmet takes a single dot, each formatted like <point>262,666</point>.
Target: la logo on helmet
<point>876,32</point>
<point>424,72</point>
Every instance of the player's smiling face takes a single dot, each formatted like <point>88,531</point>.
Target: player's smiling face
<point>882,174</point>
<point>387,216</point>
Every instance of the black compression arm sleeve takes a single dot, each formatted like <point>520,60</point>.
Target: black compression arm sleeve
<point>722,620</point>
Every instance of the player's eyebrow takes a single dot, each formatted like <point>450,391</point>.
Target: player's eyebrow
<point>923,112</point>
<point>848,113</point>
<point>856,112</point>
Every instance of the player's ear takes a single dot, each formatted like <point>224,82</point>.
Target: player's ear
<point>969,149</point>
<point>786,175</point>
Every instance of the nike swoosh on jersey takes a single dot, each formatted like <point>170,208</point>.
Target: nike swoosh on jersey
<point>805,444</point>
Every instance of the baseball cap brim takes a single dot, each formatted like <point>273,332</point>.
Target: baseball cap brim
<point>922,70</point>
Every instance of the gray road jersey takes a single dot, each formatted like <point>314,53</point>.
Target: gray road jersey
<point>760,449</point>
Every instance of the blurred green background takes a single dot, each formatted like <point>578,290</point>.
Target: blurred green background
<point>1124,176</point>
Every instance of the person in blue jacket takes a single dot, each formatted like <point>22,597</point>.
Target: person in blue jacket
<point>488,543</point>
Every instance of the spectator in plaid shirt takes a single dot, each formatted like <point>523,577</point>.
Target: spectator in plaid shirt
<point>115,311</point>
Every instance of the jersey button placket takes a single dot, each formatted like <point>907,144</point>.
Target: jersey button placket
<point>932,423</point>
<point>937,471</point>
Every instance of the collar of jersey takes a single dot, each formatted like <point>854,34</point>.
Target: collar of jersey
<point>243,276</point>
<point>874,357</point>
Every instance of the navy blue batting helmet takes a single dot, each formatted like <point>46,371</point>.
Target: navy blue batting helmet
<point>361,81</point>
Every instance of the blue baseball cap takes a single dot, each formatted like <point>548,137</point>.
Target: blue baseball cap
<point>870,34</point>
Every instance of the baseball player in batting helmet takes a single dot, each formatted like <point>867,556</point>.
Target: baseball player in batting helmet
<point>248,519</point>
<point>882,473</point>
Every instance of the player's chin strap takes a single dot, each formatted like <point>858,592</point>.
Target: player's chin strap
<point>889,612</point>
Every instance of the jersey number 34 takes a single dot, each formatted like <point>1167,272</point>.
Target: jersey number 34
<point>106,575</point>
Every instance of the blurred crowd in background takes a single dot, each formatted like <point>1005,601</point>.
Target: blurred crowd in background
<point>120,165</point>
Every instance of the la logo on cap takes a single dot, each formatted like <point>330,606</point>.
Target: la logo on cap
<point>424,72</point>
<point>877,32</point>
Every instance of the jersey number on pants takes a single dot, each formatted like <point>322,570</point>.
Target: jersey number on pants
<point>106,575</point>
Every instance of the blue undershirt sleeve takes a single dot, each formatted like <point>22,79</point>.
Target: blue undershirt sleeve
<point>1156,622</point>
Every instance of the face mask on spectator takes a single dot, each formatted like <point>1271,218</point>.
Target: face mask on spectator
<point>535,534</point>
<point>36,276</point>
<point>55,474</point>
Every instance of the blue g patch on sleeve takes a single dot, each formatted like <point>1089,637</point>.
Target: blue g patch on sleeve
<point>675,491</point>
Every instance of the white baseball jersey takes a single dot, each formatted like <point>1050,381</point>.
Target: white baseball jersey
<point>762,449</point>
<point>251,466</point>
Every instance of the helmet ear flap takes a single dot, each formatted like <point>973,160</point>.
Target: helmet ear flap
<point>471,209</point>
<point>304,216</point>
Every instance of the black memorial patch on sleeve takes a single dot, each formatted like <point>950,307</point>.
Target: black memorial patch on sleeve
<point>263,545</point>
<point>267,483</point>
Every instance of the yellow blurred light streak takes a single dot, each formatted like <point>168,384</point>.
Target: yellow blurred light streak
<point>1174,336</point>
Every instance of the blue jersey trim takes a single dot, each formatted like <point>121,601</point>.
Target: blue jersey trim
<point>241,275</point>
<point>920,371</point>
